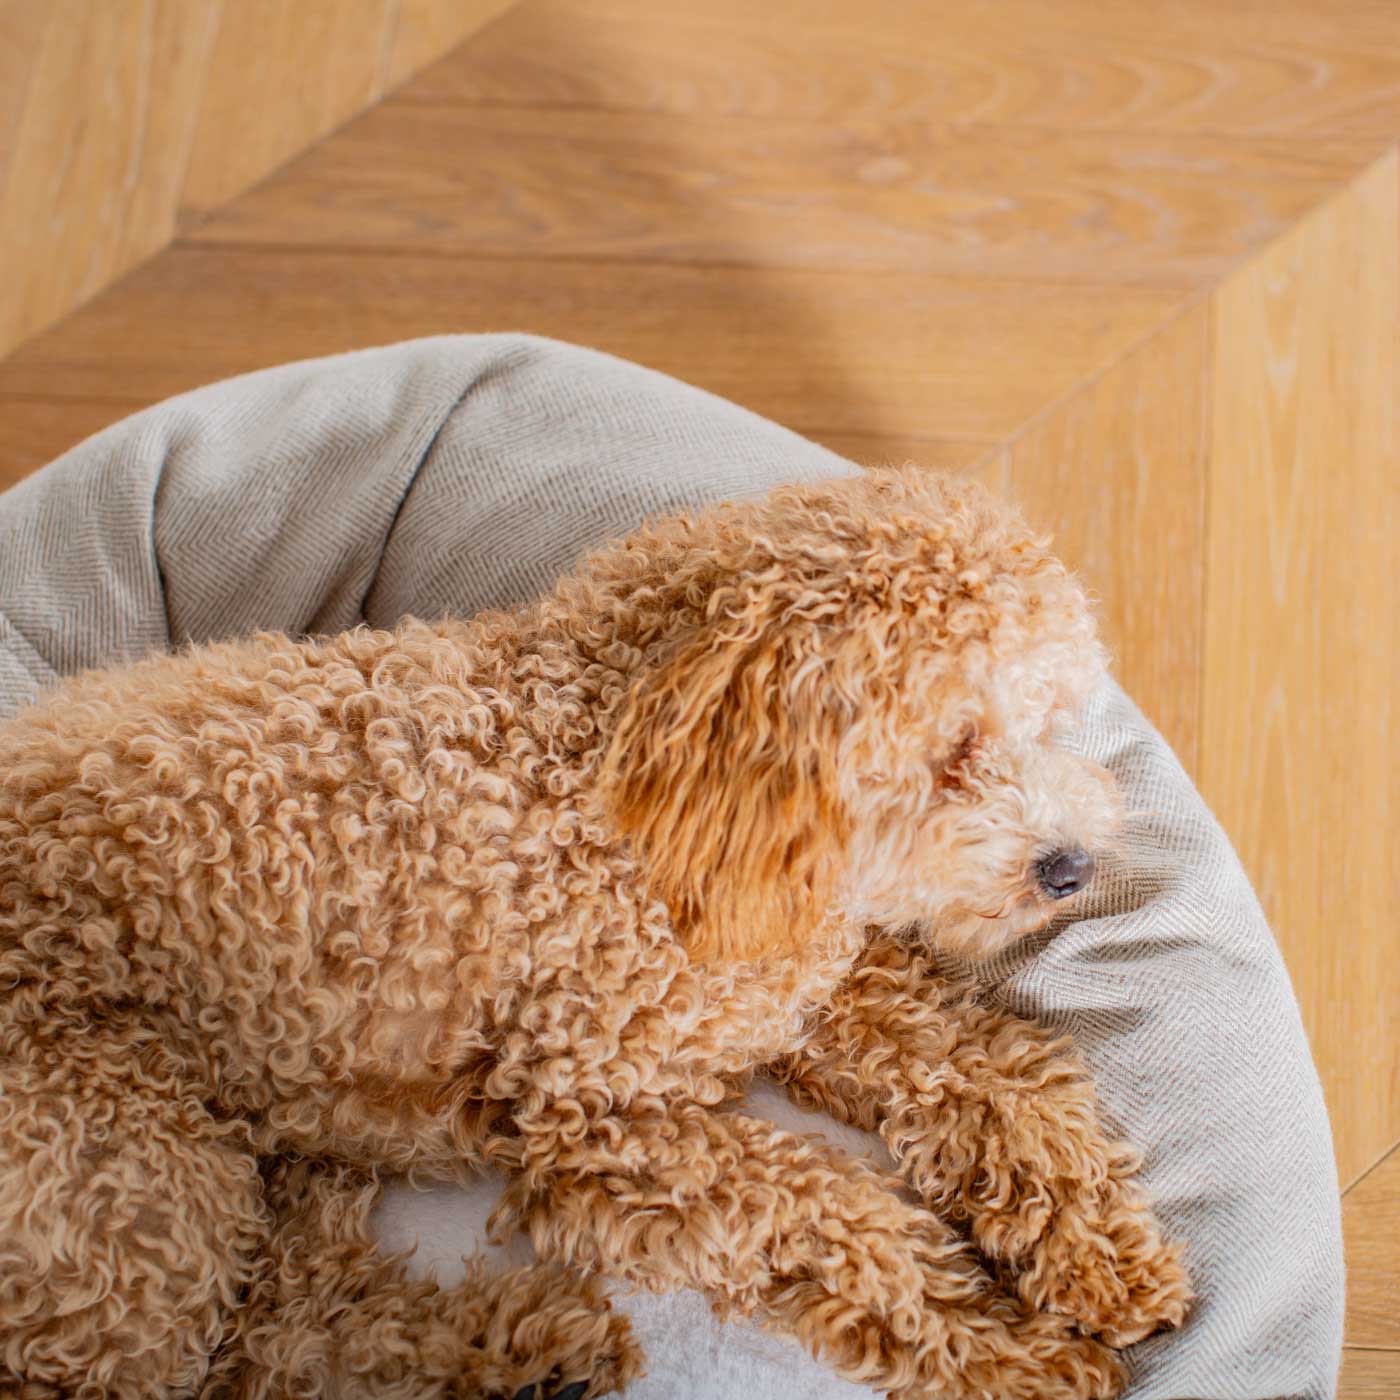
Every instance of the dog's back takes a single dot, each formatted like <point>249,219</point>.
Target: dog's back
<point>329,857</point>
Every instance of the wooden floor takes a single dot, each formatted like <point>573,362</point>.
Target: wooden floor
<point>1138,265</point>
<point>121,120</point>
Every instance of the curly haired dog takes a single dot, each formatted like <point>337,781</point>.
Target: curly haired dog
<point>539,892</point>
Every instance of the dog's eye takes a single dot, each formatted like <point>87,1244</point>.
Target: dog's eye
<point>966,749</point>
<point>957,764</point>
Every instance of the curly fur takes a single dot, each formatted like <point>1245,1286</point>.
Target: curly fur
<point>539,891</point>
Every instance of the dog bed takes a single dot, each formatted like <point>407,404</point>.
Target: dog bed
<point>461,473</point>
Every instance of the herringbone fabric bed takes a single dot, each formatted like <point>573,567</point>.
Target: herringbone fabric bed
<point>454,474</point>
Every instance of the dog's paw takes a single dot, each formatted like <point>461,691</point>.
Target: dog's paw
<point>1115,1277</point>
<point>544,1333</point>
<point>1057,1362</point>
<point>1044,1358</point>
<point>607,1372</point>
<point>549,1390</point>
<point>1159,1296</point>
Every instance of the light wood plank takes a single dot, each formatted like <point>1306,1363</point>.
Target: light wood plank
<point>1118,474</point>
<point>1371,1224</point>
<point>1258,68</point>
<point>1299,751</point>
<point>846,352</point>
<point>424,30</point>
<point>903,194</point>
<point>105,105</point>
<point>97,152</point>
<point>1369,1375</point>
<point>21,33</point>
<point>970,456</point>
<point>283,74</point>
<point>34,432</point>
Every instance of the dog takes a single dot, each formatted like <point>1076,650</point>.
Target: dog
<point>539,892</point>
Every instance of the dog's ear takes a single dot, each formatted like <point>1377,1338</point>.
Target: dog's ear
<point>722,770</point>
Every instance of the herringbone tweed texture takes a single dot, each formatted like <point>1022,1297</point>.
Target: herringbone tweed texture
<point>454,474</point>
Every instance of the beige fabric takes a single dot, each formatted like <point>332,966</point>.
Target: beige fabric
<point>464,472</point>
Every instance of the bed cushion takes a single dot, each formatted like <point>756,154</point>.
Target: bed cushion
<point>465,472</point>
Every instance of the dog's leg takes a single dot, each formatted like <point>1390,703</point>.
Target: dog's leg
<point>332,1316</point>
<point>993,1122</point>
<point>803,1238</point>
<point>129,1218</point>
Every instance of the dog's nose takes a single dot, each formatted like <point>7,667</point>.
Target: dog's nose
<point>1066,872</point>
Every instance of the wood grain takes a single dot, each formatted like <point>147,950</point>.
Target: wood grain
<point>1369,1375</point>
<point>847,352</point>
<point>1255,68</point>
<point>91,183</point>
<point>1118,473</point>
<point>21,33</point>
<point>424,30</point>
<point>969,456</point>
<point>896,194</point>
<point>1371,1224</point>
<point>116,115</point>
<point>1299,752</point>
<point>283,74</point>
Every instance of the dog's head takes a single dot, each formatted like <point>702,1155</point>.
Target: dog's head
<point>851,705</point>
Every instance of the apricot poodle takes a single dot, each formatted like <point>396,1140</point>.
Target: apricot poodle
<point>539,892</point>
